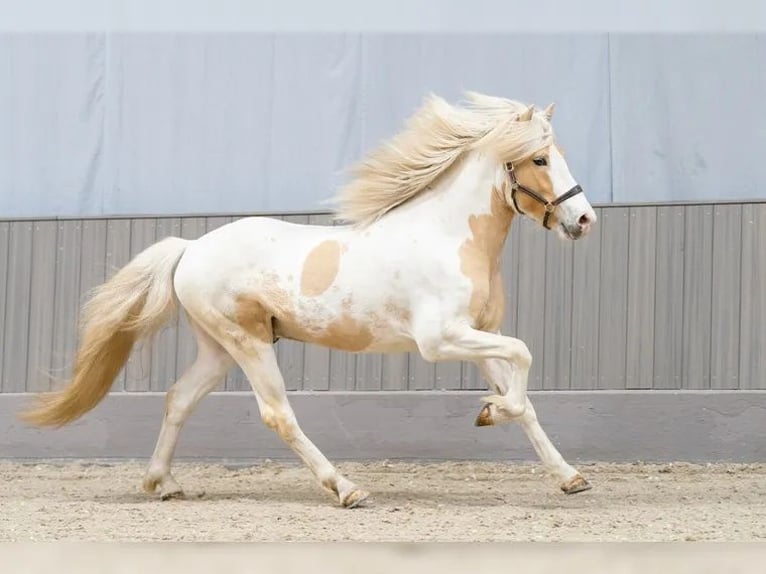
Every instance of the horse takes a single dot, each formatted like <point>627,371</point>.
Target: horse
<point>414,266</point>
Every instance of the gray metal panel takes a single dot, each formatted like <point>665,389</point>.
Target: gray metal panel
<point>93,254</point>
<point>342,370</point>
<point>726,296</point>
<point>5,273</point>
<point>641,294</point>
<point>672,280</point>
<point>668,304</point>
<point>557,353</point>
<point>471,377</point>
<point>586,294</point>
<point>422,374</point>
<point>698,280</point>
<point>41,300</point>
<point>212,223</point>
<point>396,372</point>
<point>613,320</point>
<point>752,340</point>
<point>448,375</point>
<point>17,305</point>
<point>369,372</point>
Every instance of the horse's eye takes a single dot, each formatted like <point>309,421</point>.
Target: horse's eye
<point>540,161</point>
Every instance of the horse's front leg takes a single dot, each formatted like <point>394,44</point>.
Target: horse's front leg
<point>505,362</point>
<point>511,403</point>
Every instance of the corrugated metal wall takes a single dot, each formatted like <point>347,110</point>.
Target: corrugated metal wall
<point>662,297</point>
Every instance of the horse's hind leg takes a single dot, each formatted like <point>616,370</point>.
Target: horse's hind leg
<point>203,376</point>
<point>259,362</point>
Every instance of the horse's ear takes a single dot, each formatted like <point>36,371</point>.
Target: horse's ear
<point>549,111</point>
<point>526,115</point>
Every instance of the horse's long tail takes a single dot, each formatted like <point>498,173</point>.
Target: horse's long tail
<point>130,306</point>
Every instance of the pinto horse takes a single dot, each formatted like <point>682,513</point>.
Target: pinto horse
<point>415,267</point>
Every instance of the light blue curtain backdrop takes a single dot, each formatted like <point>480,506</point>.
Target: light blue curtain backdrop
<point>109,123</point>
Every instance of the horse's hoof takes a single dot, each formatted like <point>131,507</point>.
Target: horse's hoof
<point>485,417</point>
<point>575,485</point>
<point>173,495</point>
<point>355,498</point>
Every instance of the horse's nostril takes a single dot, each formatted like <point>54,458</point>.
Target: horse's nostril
<point>584,220</point>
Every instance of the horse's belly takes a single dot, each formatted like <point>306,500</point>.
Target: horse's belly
<point>344,333</point>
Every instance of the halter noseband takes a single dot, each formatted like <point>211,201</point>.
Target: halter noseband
<point>550,206</point>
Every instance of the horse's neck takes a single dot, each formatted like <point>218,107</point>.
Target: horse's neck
<point>468,197</point>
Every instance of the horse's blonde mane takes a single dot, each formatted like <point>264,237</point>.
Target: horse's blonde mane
<point>433,139</point>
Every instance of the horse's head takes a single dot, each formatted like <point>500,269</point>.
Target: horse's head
<point>540,185</point>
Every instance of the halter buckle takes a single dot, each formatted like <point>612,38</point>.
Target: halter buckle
<point>514,184</point>
<point>511,175</point>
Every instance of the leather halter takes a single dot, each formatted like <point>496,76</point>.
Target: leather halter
<point>550,206</point>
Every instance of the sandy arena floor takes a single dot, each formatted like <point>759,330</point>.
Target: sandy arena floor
<point>409,502</point>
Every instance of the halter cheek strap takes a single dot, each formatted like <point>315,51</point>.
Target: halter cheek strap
<point>550,206</point>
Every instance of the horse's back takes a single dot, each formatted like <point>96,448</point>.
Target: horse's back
<point>239,252</point>
<point>262,236</point>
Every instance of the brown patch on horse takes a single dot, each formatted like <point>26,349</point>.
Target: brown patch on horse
<point>346,334</point>
<point>320,268</point>
<point>491,316</point>
<point>254,318</point>
<point>273,316</point>
<point>480,257</point>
